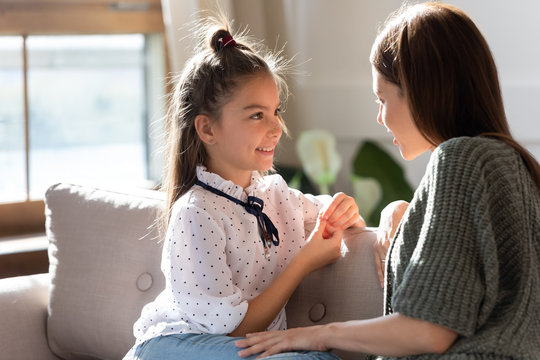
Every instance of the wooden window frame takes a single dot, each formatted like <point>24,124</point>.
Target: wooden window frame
<point>66,17</point>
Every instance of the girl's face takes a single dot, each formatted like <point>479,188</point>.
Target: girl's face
<point>247,134</point>
<point>395,116</point>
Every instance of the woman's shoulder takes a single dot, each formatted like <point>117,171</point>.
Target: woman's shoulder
<point>469,144</point>
<point>476,164</point>
<point>473,151</point>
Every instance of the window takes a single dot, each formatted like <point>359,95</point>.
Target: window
<point>12,142</point>
<point>80,87</point>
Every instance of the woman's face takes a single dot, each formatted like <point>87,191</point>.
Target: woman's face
<point>395,116</point>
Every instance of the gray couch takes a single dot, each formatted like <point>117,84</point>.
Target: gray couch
<point>105,265</point>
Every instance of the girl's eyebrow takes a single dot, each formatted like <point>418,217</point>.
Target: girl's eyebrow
<point>258,106</point>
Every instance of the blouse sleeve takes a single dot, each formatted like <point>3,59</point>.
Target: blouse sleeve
<point>445,240</point>
<point>194,262</point>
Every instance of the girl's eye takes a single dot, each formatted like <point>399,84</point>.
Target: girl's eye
<point>257,116</point>
<point>277,112</point>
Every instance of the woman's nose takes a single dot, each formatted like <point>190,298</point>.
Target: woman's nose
<point>379,115</point>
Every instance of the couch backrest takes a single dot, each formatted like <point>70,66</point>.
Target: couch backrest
<point>105,266</point>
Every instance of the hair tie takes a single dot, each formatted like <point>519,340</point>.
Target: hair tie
<point>228,41</point>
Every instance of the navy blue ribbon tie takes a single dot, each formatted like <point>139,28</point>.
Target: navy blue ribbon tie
<point>254,206</point>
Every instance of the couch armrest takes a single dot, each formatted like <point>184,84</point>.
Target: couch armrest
<point>348,289</point>
<point>23,310</point>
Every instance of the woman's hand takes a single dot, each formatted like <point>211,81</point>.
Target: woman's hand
<point>390,219</point>
<point>274,342</point>
<point>319,250</point>
<point>341,213</point>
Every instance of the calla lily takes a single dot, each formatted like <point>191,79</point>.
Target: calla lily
<point>319,156</point>
<point>367,194</point>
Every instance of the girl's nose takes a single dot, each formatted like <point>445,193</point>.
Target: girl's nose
<point>276,128</point>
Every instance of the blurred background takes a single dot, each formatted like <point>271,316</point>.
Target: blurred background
<point>83,85</point>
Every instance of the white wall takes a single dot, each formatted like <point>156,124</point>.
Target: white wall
<point>336,37</point>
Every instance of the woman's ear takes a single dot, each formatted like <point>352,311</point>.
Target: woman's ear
<point>204,128</point>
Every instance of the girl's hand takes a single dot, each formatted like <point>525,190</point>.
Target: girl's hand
<point>341,213</point>
<point>274,342</point>
<point>390,219</point>
<point>319,251</point>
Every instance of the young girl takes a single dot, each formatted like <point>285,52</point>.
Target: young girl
<point>235,248</point>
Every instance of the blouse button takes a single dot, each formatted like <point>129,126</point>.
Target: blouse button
<point>317,312</point>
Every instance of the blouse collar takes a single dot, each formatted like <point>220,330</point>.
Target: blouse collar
<point>228,186</point>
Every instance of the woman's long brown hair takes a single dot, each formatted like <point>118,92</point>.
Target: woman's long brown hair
<point>443,65</point>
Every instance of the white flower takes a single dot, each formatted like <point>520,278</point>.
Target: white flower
<point>319,156</point>
<point>367,194</point>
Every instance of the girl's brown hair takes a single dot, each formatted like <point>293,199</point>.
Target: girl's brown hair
<point>208,81</point>
<point>442,64</point>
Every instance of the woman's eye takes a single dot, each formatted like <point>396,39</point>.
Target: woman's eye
<point>257,116</point>
<point>378,101</point>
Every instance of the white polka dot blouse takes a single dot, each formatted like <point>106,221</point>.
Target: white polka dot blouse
<point>214,260</point>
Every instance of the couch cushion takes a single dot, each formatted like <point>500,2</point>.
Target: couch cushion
<point>104,266</point>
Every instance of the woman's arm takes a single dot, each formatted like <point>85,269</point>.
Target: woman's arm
<point>409,336</point>
<point>391,217</point>
<point>393,335</point>
<point>317,252</point>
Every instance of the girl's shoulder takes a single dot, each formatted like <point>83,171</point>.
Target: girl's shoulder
<point>276,184</point>
<point>193,199</point>
<point>273,181</point>
<point>277,188</point>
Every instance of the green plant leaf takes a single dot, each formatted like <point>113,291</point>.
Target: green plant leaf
<point>371,161</point>
<point>367,194</point>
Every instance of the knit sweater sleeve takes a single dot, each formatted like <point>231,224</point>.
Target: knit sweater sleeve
<point>437,263</point>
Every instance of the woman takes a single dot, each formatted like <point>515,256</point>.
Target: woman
<point>462,269</point>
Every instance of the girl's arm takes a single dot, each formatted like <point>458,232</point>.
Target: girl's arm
<point>316,253</point>
<point>322,248</point>
<point>393,335</point>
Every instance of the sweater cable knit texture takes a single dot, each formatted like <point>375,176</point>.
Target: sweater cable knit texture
<point>467,252</point>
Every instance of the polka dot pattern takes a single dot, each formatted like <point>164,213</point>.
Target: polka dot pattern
<point>213,258</point>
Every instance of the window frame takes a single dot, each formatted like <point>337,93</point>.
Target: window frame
<point>66,17</point>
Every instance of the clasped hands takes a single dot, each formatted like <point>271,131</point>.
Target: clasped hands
<point>340,214</point>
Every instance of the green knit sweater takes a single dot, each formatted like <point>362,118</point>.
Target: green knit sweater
<point>467,252</point>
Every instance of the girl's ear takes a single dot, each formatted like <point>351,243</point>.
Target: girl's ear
<point>204,128</point>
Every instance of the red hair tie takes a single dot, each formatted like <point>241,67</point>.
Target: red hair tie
<point>228,41</point>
